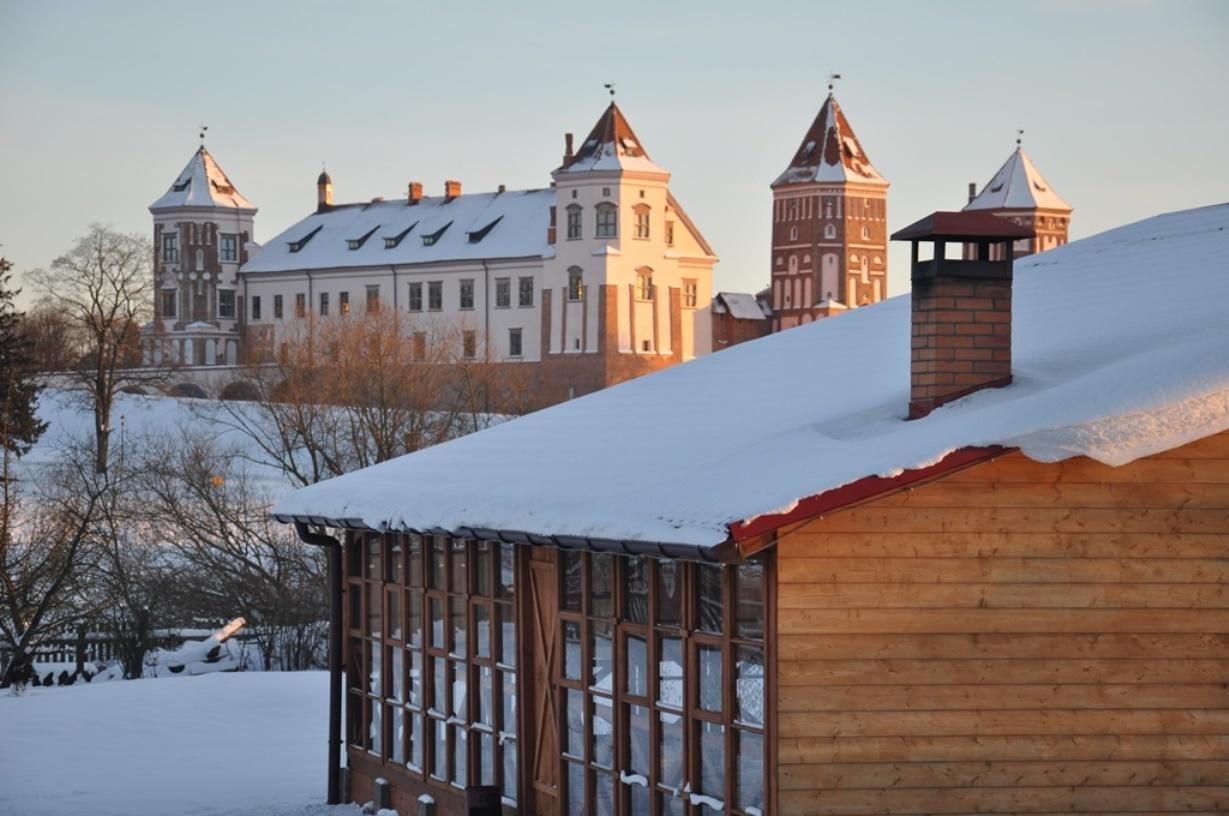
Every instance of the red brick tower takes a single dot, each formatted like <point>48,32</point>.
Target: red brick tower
<point>829,225</point>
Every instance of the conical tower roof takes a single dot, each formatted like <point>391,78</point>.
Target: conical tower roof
<point>202,183</point>
<point>1018,185</point>
<point>611,145</point>
<point>830,152</point>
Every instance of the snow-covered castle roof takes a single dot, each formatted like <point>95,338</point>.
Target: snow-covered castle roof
<point>611,145</point>
<point>830,152</point>
<point>1018,185</point>
<point>202,183</point>
<point>664,459</point>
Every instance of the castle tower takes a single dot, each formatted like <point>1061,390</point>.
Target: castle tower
<point>1020,194</point>
<point>829,225</point>
<point>202,226</point>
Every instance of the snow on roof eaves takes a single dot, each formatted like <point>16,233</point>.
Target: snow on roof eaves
<point>523,217</point>
<point>1146,380</point>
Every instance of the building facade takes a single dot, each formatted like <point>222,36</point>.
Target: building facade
<point>1019,193</point>
<point>829,225</point>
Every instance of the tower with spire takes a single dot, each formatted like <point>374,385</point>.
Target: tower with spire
<point>202,230</point>
<point>1019,193</point>
<point>829,225</point>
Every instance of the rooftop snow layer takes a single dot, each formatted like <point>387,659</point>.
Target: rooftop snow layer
<point>202,183</point>
<point>740,305</point>
<point>520,219</point>
<point>665,458</point>
<point>830,152</point>
<point>1018,185</point>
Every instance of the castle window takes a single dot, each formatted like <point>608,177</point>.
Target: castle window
<point>300,305</point>
<point>646,345</point>
<point>200,260</point>
<point>469,349</point>
<point>169,299</point>
<point>467,294</point>
<point>793,233</point>
<point>170,248</point>
<point>343,303</point>
<point>691,289</point>
<point>226,303</point>
<point>373,298</point>
<point>324,304</point>
<point>607,221</point>
<point>644,284</point>
<point>669,233</point>
<point>255,307</point>
<point>524,293</point>
<point>277,307</point>
<point>642,222</point>
<point>514,343</point>
<point>606,192</point>
<point>435,295</point>
<point>228,251</point>
<point>829,232</point>
<point>415,297</point>
<point>503,293</point>
<point>793,210</point>
<point>575,287</point>
<point>574,215</point>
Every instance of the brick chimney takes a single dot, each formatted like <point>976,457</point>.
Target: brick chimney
<point>567,149</point>
<point>961,332</point>
<point>415,192</point>
<point>972,191</point>
<point>452,189</point>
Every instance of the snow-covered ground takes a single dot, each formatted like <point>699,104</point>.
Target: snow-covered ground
<point>215,745</point>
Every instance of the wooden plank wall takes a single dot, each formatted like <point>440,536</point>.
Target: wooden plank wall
<point>1014,638</point>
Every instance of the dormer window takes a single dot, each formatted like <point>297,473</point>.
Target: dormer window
<point>607,221</point>
<point>295,246</point>
<point>355,243</point>
<point>477,235</point>
<point>180,186</point>
<point>393,241</point>
<point>433,238</point>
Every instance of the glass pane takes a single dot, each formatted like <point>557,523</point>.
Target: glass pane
<point>375,728</point>
<point>576,790</point>
<point>396,673</point>
<point>373,558</point>
<point>484,565</point>
<point>486,758</point>
<point>709,618</point>
<point>638,740</point>
<point>413,602</point>
<point>509,702</point>
<point>414,559</point>
<point>710,677</point>
<point>601,652</point>
<point>398,747</point>
<point>670,805</point>
<point>603,732</point>
<point>460,752</point>
<point>640,800</point>
<point>416,679</point>
<point>507,571</point>
<point>395,559</point>
<point>603,795</point>
<point>601,584</point>
<point>439,696</point>
<point>749,689</point>
<point>438,554</point>
<point>571,571</point>
<point>482,630</point>
<point>439,749</point>
<point>575,744</point>
<point>712,760</point>
<point>459,582</point>
<point>415,754</point>
<point>356,676</point>
<point>437,623</point>
<point>750,611</point>
<point>670,759</point>
<point>394,614</point>
<point>571,650</point>
<point>509,752</point>
<point>637,662</point>
<point>486,693</point>
<point>373,676</point>
<point>507,634</point>
<point>459,688</point>
<point>637,599</point>
<point>456,609</point>
<point>669,593</point>
<point>375,626</point>
<point>670,672</point>
<point>356,606</point>
<point>750,753</point>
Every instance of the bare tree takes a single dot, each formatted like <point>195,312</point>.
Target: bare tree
<point>105,285</point>
<point>55,342</point>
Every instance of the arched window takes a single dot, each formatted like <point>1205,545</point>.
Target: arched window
<point>200,260</point>
<point>829,232</point>
<point>607,221</point>
<point>793,264</point>
<point>866,233</point>
<point>780,261</point>
<point>793,233</point>
<point>642,221</point>
<point>644,283</point>
<point>576,288</point>
<point>574,211</point>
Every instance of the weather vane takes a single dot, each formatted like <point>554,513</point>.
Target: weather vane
<point>203,129</point>
<point>832,78</point>
<point>610,86</point>
<point>1019,136</point>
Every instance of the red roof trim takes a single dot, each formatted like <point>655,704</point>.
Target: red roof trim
<point>861,490</point>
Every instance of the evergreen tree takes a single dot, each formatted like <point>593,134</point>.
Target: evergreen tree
<point>20,427</point>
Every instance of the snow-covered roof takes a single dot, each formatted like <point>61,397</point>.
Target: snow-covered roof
<point>830,152</point>
<point>666,458</point>
<point>510,224</point>
<point>739,305</point>
<point>611,145</point>
<point>202,184</point>
<point>1018,185</point>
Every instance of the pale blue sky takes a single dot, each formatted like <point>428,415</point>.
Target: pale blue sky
<point>1125,104</point>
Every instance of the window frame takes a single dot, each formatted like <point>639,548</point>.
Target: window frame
<point>465,292</point>
<point>691,293</point>
<point>606,220</point>
<point>517,348</point>
<point>170,247</point>
<point>576,284</point>
<point>279,307</point>
<point>227,314</point>
<point>435,296</point>
<point>503,293</point>
<point>524,292</point>
<point>575,222</point>
<point>300,304</point>
<point>254,306</point>
<point>414,296</point>
<point>228,248</point>
<point>170,296</point>
<point>645,290</point>
<point>643,224</point>
<point>372,297</point>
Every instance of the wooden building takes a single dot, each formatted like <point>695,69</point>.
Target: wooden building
<point>753,593</point>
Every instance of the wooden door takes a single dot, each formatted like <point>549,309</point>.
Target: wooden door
<point>540,759</point>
